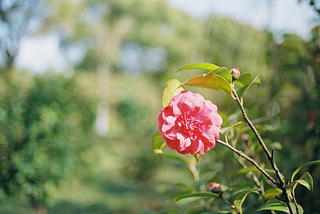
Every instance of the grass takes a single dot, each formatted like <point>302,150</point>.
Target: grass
<point>106,190</point>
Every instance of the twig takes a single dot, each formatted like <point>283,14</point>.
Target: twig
<point>295,203</point>
<point>240,153</point>
<point>232,206</point>
<point>270,156</point>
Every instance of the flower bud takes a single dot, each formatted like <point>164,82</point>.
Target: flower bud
<point>215,188</point>
<point>245,138</point>
<point>235,73</point>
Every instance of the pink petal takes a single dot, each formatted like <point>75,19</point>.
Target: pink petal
<point>168,123</point>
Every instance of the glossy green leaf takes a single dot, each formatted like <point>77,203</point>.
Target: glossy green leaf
<point>157,143</point>
<point>198,194</point>
<point>272,192</point>
<point>243,80</point>
<point>171,88</point>
<point>241,197</point>
<point>223,72</point>
<point>274,205</point>
<point>201,66</point>
<point>305,180</point>
<point>242,91</point>
<point>211,81</point>
<point>277,205</point>
<point>253,169</point>
<point>220,212</point>
<point>303,166</point>
<point>276,145</point>
<point>179,193</point>
<point>300,208</point>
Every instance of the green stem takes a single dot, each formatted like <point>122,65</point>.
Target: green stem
<point>295,202</point>
<point>281,183</point>
<point>232,206</point>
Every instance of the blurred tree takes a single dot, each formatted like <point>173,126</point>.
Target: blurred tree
<point>43,130</point>
<point>119,41</point>
<point>294,100</point>
<point>45,127</point>
<point>17,20</point>
<point>224,47</point>
<point>136,25</point>
<point>132,37</point>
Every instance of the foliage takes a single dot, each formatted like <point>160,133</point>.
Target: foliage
<point>275,193</point>
<point>285,110</point>
<point>46,126</point>
<point>16,18</point>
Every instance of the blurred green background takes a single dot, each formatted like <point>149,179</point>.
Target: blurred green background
<point>79,140</point>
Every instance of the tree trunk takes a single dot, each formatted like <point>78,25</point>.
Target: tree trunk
<point>37,207</point>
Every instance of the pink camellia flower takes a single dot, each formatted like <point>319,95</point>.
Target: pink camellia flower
<point>189,124</point>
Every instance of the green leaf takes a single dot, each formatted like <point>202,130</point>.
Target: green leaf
<point>211,81</point>
<point>202,66</point>
<point>253,169</point>
<point>198,194</point>
<point>305,180</point>
<point>158,144</point>
<point>304,165</point>
<point>205,177</point>
<point>241,197</point>
<point>223,72</point>
<point>242,91</point>
<point>274,205</point>
<point>277,205</point>
<point>234,117</point>
<point>239,125</point>
<point>171,89</point>
<point>243,80</point>
<point>220,212</point>
<point>300,208</point>
<point>179,193</point>
<point>225,119</point>
<point>276,145</point>
<point>272,192</point>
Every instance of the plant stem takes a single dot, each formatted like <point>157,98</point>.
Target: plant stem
<point>240,153</point>
<point>250,174</point>
<point>254,178</point>
<point>295,202</point>
<point>281,183</point>
<point>232,206</point>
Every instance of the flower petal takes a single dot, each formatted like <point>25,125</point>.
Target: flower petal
<point>189,124</point>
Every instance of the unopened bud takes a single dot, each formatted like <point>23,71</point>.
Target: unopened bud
<point>245,138</point>
<point>235,73</point>
<point>215,188</point>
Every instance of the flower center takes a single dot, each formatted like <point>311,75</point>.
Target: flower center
<point>188,124</point>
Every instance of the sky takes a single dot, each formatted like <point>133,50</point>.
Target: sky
<point>279,16</point>
<point>287,16</point>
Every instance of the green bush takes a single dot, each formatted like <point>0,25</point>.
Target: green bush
<point>45,126</point>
